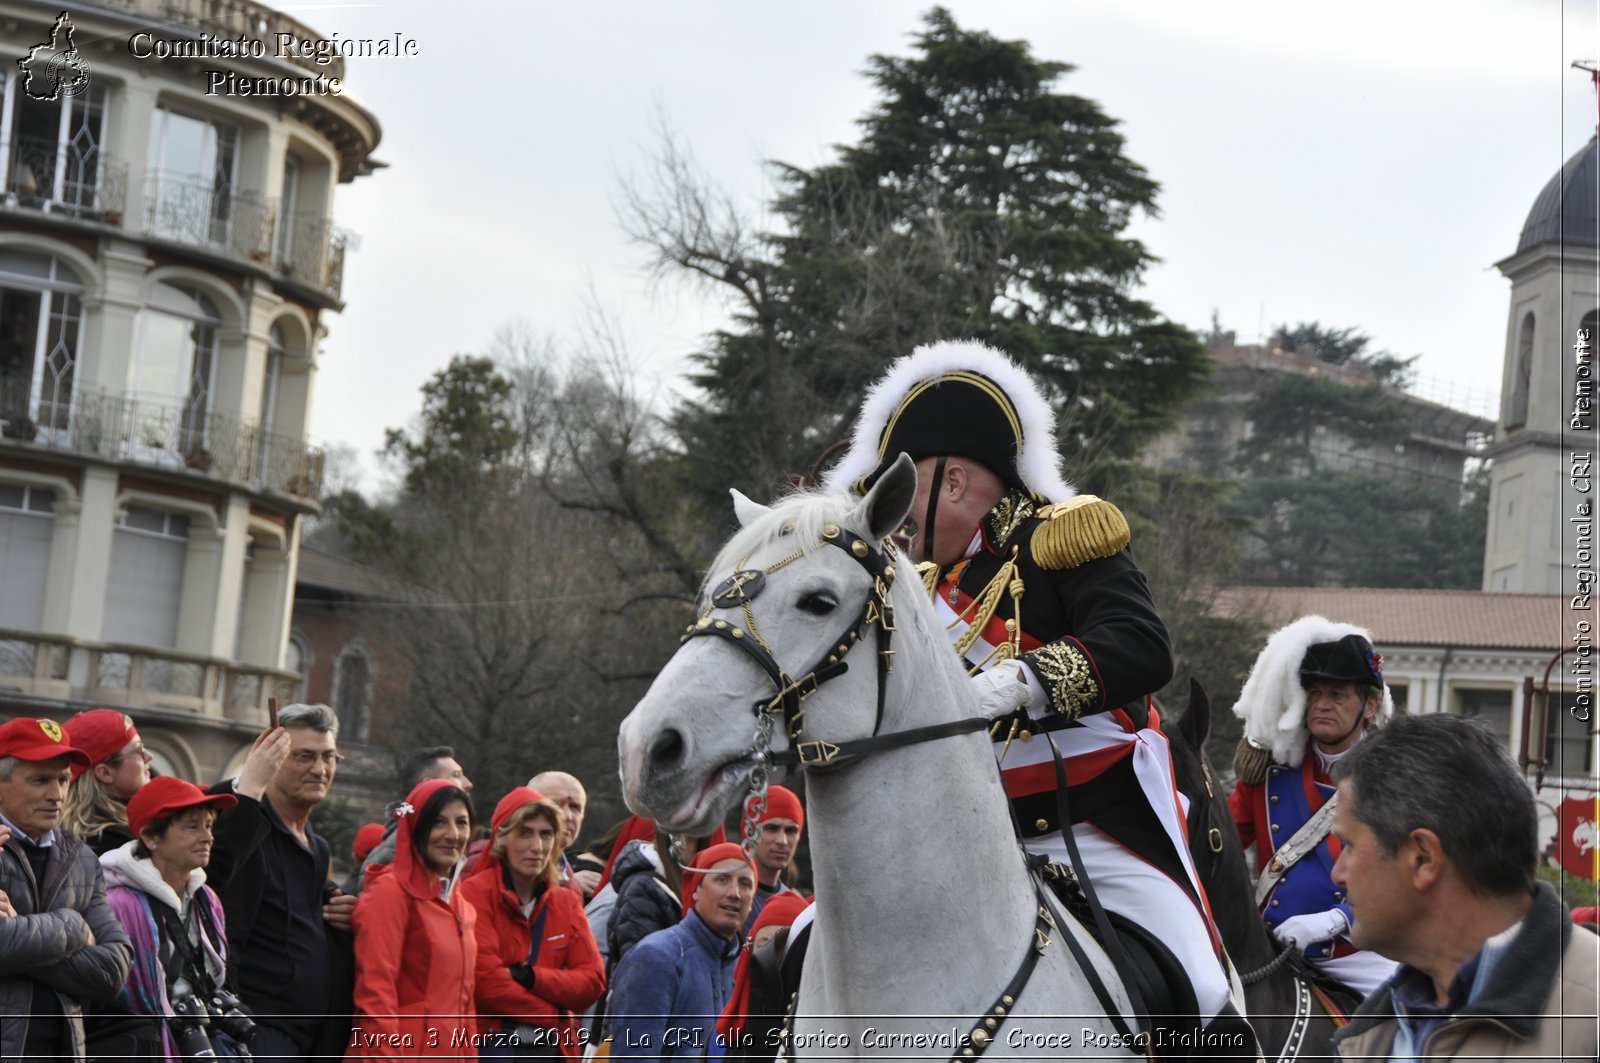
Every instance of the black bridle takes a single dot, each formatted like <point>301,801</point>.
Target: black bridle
<point>877,613</point>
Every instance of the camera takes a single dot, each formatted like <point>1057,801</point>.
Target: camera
<point>189,1022</point>
<point>231,1018</point>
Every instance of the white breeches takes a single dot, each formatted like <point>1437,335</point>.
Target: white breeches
<point>1135,890</point>
<point>1361,971</point>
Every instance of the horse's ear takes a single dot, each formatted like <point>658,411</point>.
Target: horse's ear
<point>746,509</point>
<point>1196,721</point>
<point>887,504</point>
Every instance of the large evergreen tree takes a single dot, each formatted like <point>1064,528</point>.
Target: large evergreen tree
<point>979,202</point>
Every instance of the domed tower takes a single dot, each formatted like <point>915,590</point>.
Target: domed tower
<point>1544,440</point>
<point>168,257</point>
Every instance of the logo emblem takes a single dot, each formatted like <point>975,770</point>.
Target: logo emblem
<point>739,588</point>
<point>54,68</point>
<point>51,729</point>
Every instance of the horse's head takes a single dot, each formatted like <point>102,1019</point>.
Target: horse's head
<point>802,582</point>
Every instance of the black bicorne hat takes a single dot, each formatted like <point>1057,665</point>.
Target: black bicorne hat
<point>1348,660</point>
<point>956,398</point>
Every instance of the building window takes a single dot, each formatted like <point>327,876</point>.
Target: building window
<point>41,315</point>
<point>1522,376</point>
<point>27,526</point>
<point>289,203</point>
<point>50,149</point>
<point>353,674</point>
<point>1491,708</point>
<point>192,175</point>
<point>1400,694</point>
<point>1568,748</point>
<point>175,365</point>
<point>144,588</point>
<point>297,658</point>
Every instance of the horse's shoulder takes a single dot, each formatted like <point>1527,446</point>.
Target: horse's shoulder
<point>1079,530</point>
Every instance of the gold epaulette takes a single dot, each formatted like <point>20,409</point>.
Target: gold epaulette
<point>1078,530</point>
<point>1250,762</point>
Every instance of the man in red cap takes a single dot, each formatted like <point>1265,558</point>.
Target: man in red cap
<point>59,942</point>
<point>779,837</point>
<point>670,988</point>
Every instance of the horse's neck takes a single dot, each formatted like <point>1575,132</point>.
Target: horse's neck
<point>918,876</point>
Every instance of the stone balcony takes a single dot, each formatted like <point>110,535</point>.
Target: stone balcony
<point>57,668</point>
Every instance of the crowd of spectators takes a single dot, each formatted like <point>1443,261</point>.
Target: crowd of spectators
<point>150,918</point>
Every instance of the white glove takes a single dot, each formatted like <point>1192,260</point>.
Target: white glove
<point>1304,931</point>
<point>1005,687</point>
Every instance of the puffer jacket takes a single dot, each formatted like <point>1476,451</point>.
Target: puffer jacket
<point>47,941</point>
<point>645,903</point>
<point>1538,1002</point>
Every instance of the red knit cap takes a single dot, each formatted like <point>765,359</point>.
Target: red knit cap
<point>367,839</point>
<point>101,733</point>
<point>705,860</point>
<point>783,803</point>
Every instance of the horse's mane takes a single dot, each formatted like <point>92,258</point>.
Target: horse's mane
<point>808,510</point>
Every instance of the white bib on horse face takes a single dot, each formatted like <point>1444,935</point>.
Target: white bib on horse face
<point>925,911</point>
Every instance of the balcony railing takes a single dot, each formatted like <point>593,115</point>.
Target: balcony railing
<point>234,18</point>
<point>59,178</point>
<point>206,214</point>
<point>316,252</point>
<point>200,213</point>
<point>120,428</point>
<point>139,677</point>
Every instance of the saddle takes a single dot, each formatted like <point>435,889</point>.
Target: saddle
<point>1151,974</point>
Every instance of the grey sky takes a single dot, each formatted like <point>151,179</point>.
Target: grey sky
<point>1360,164</point>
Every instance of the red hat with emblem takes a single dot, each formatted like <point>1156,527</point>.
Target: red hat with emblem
<point>27,738</point>
<point>167,795</point>
<point>101,733</point>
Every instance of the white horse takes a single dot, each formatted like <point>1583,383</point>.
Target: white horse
<point>926,915</point>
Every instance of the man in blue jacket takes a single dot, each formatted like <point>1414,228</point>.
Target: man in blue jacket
<point>670,988</point>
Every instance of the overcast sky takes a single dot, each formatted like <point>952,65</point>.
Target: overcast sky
<point>1360,164</point>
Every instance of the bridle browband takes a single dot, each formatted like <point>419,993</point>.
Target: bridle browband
<point>739,589</point>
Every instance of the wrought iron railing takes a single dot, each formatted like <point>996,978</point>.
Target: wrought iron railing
<point>121,428</point>
<point>236,19</point>
<point>59,177</point>
<point>316,252</point>
<point>205,213</point>
<point>136,677</point>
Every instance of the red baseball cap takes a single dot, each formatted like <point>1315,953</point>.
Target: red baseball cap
<point>101,733</point>
<point>167,795</point>
<point>27,738</point>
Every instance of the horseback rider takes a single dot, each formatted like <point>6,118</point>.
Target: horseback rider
<point>1053,618</point>
<point>1312,695</point>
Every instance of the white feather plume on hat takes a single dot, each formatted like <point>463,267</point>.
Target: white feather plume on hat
<point>1038,460</point>
<point>1273,703</point>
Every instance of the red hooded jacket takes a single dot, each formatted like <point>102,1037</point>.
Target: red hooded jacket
<point>415,954</point>
<point>568,974</point>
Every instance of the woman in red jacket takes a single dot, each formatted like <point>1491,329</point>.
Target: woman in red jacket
<point>415,948</point>
<point>537,967</point>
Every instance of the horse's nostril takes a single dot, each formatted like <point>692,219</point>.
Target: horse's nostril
<point>666,752</point>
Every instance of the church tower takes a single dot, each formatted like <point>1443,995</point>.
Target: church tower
<point>1544,440</point>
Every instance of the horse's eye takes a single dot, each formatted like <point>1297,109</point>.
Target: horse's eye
<point>819,603</point>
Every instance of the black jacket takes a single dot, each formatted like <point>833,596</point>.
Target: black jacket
<point>645,903</point>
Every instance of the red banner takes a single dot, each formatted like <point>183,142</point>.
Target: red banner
<point>1578,836</point>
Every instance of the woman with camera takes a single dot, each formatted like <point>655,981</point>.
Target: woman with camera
<point>538,967</point>
<point>415,947</point>
<point>174,1005</point>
